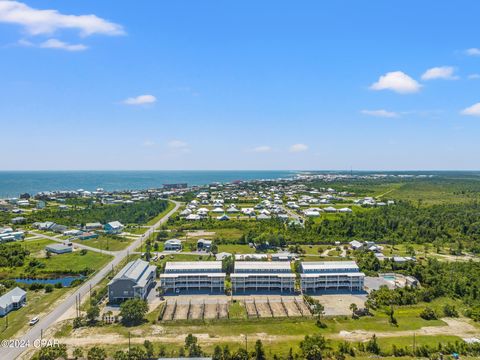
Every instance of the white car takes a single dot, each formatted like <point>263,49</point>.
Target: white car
<point>34,321</point>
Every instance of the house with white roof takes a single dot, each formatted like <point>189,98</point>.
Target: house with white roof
<point>133,281</point>
<point>114,227</point>
<point>172,245</point>
<point>12,300</point>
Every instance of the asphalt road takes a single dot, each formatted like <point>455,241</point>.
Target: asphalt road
<point>35,332</point>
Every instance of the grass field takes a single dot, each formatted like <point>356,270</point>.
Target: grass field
<point>281,348</point>
<point>314,249</point>
<point>38,302</point>
<point>106,243</point>
<point>36,247</point>
<point>57,264</point>
<point>235,249</point>
<point>228,234</point>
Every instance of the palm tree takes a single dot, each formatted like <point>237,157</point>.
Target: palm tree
<point>160,291</point>
<point>354,308</point>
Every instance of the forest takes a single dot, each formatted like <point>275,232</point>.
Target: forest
<point>136,213</point>
<point>402,223</point>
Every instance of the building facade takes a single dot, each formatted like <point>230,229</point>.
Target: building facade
<point>133,281</point>
<point>172,245</point>
<point>193,275</point>
<point>12,300</point>
<point>331,275</point>
<point>252,276</point>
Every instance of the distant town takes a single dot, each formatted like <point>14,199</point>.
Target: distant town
<point>87,267</point>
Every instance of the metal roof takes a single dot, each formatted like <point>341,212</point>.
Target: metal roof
<point>12,296</point>
<point>262,266</point>
<point>201,266</point>
<point>329,265</point>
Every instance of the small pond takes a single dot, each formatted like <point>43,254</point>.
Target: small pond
<point>65,281</point>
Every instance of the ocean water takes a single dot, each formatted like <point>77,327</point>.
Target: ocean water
<point>13,183</point>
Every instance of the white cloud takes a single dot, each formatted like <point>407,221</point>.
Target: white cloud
<point>396,81</point>
<point>262,149</point>
<point>178,146</point>
<point>149,143</point>
<point>298,148</point>
<point>473,52</point>
<point>474,76</point>
<point>440,72</point>
<point>37,22</point>
<point>380,113</point>
<point>140,100</point>
<point>473,110</point>
<point>57,44</point>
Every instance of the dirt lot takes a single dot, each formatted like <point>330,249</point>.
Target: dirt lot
<point>303,308</point>
<point>251,309</point>
<point>339,304</point>
<point>196,312</point>
<point>292,309</point>
<point>277,309</point>
<point>210,311</point>
<point>263,309</point>
<point>223,311</point>
<point>168,314</point>
<point>181,312</point>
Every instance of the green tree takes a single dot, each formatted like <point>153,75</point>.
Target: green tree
<point>353,307</point>
<point>52,352</point>
<point>133,311</point>
<point>372,345</point>
<point>240,354</point>
<point>259,352</point>
<point>137,353</point>
<point>428,314</point>
<point>313,346</point>
<point>92,314</point>
<point>96,353</point>
<point>217,353</point>
<point>77,353</point>
<point>120,355</point>
<point>148,348</point>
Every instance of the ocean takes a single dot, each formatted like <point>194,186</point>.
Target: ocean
<point>13,183</point>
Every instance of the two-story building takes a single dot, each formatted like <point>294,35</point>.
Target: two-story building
<point>133,281</point>
<point>251,276</point>
<point>193,275</point>
<point>331,275</point>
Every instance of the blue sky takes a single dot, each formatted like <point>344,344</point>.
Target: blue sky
<point>239,85</point>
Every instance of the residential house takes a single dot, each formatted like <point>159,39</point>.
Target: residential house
<point>133,281</point>
<point>12,300</point>
<point>114,227</point>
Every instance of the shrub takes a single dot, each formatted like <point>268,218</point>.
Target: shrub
<point>428,314</point>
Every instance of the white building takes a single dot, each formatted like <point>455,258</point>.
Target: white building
<point>331,275</point>
<point>262,275</point>
<point>172,245</point>
<point>58,248</point>
<point>114,227</point>
<point>12,300</point>
<point>193,275</point>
